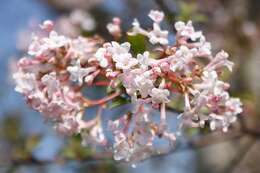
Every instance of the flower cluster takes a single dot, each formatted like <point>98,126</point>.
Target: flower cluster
<point>57,69</point>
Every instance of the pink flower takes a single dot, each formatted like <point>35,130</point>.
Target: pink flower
<point>157,35</point>
<point>78,73</point>
<point>114,28</point>
<point>159,95</point>
<point>53,80</point>
<point>156,16</point>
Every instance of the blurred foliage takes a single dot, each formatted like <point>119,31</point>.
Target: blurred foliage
<point>118,101</point>
<point>74,150</point>
<point>105,167</point>
<point>138,43</point>
<point>16,144</point>
<point>189,11</point>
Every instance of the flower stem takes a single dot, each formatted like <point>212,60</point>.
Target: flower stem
<point>89,103</point>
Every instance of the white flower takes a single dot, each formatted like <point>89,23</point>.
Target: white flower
<point>83,19</point>
<point>187,30</point>
<point>50,80</point>
<point>77,73</point>
<point>137,29</point>
<point>118,49</point>
<point>144,60</point>
<point>25,82</point>
<point>68,126</point>
<point>114,27</point>
<point>234,105</point>
<point>144,84</point>
<point>181,59</point>
<point>120,55</point>
<point>156,16</point>
<point>83,49</point>
<point>204,49</point>
<point>125,61</point>
<point>221,121</point>
<point>159,95</point>
<point>122,149</point>
<point>55,41</point>
<point>220,60</point>
<point>36,48</point>
<point>47,25</point>
<point>100,56</point>
<point>127,79</point>
<point>210,91</point>
<point>40,45</point>
<point>157,35</point>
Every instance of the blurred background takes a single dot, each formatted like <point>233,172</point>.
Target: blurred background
<point>29,145</point>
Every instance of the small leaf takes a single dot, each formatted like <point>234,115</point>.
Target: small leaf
<point>137,43</point>
<point>119,101</point>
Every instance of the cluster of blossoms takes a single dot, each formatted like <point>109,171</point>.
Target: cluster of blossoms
<point>70,25</point>
<point>58,68</point>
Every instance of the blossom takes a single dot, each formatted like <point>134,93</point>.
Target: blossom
<point>156,16</point>
<point>187,30</point>
<point>68,126</point>
<point>101,57</point>
<point>210,83</point>
<point>47,25</point>
<point>204,49</point>
<point>25,82</point>
<point>157,35</point>
<point>83,19</point>
<point>52,81</point>
<point>220,60</point>
<point>137,29</point>
<point>77,73</point>
<point>36,47</point>
<point>127,79</point>
<point>121,57</point>
<point>114,27</point>
<point>234,105</point>
<point>55,41</point>
<point>144,84</point>
<point>122,149</point>
<point>182,58</point>
<point>144,60</point>
<point>39,45</point>
<point>125,61</point>
<point>118,49</point>
<point>83,48</point>
<point>159,95</point>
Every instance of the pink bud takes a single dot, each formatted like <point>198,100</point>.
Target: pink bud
<point>117,20</point>
<point>165,66</point>
<point>47,25</point>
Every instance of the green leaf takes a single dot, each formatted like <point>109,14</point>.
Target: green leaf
<point>189,11</point>
<point>137,43</point>
<point>12,128</point>
<point>119,101</point>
